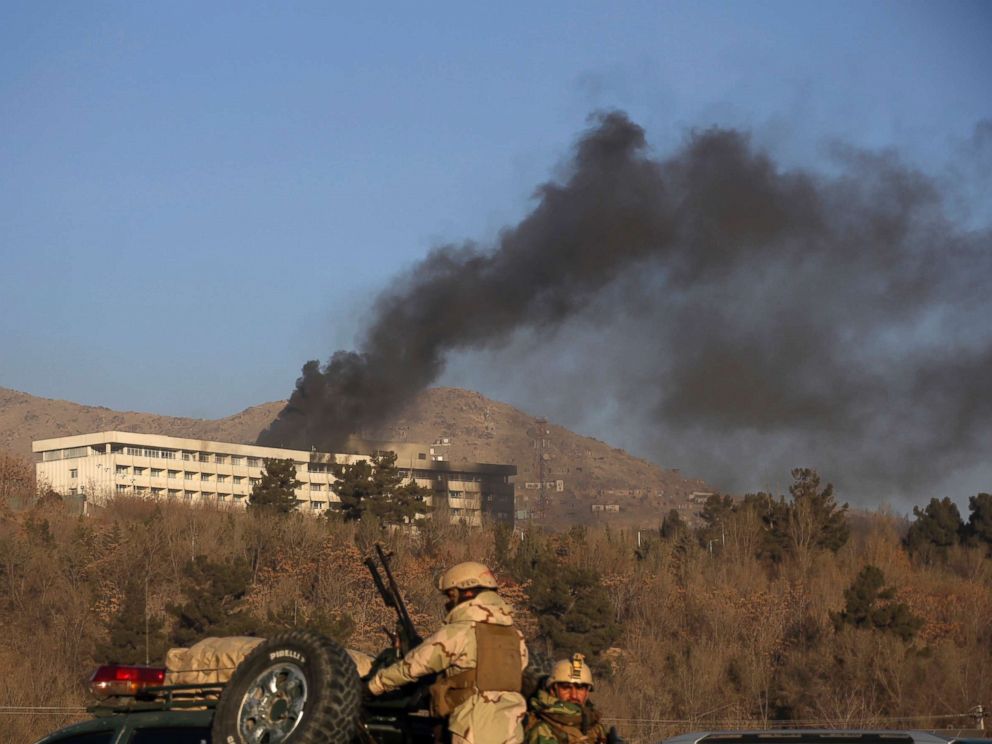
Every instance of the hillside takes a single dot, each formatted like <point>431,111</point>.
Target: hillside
<point>585,471</point>
<point>24,418</point>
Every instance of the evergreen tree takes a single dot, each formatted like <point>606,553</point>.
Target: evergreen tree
<point>811,521</point>
<point>937,527</point>
<point>573,610</point>
<point>862,608</point>
<point>276,491</point>
<point>375,488</point>
<point>979,528</point>
<point>672,526</point>
<point>814,518</point>
<point>134,638</point>
<point>715,513</point>
<point>213,601</point>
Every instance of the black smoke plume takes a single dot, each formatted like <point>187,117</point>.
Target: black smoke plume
<point>838,317</point>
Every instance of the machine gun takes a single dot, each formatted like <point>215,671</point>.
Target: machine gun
<point>406,633</point>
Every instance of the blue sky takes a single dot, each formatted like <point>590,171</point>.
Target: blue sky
<point>196,198</point>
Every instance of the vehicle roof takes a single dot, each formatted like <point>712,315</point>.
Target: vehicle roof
<point>135,720</point>
<point>819,736</point>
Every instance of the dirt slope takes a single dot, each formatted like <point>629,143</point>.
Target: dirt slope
<point>587,470</point>
<point>24,418</point>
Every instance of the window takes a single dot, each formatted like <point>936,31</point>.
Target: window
<point>122,470</point>
<point>121,488</point>
<point>73,491</point>
<point>254,462</point>
<point>237,479</point>
<point>317,505</point>
<point>189,476</point>
<point>316,487</point>
<point>221,478</point>
<point>204,476</point>
<point>220,459</point>
<point>168,455</point>
<point>140,471</point>
<point>173,492</point>
<point>254,481</point>
<point>188,495</point>
<point>92,737</point>
<point>152,453</point>
<point>73,472</point>
<point>156,472</point>
<point>170,736</point>
<point>237,460</point>
<point>157,491</point>
<point>204,457</point>
<point>133,451</point>
<point>189,455</point>
<point>140,490</point>
<point>173,474</point>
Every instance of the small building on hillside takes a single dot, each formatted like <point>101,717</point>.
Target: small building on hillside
<point>95,466</point>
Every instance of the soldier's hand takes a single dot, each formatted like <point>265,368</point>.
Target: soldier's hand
<point>366,691</point>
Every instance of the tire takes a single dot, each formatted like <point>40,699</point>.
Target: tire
<point>295,688</point>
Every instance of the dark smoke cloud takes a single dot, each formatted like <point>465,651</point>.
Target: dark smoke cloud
<point>838,318</point>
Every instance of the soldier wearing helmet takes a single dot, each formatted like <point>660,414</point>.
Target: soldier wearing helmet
<point>480,657</point>
<point>561,712</point>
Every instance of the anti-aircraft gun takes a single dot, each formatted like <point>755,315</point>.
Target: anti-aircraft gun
<point>406,635</point>
<point>401,715</point>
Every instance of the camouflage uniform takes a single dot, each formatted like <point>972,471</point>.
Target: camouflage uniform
<point>484,717</point>
<point>554,721</point>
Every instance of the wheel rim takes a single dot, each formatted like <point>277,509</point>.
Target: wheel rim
<point>273,705</point>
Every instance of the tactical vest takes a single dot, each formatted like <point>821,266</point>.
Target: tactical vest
<point>497,669</point>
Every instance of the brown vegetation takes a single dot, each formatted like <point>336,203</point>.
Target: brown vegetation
<point>708,636</point>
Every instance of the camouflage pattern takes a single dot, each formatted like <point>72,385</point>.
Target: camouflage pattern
<point>485,717</point>
<point>554,721</point>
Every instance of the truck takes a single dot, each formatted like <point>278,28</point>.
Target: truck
<point>296,687</point>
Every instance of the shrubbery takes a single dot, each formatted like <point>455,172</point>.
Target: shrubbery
<point>769,608</point>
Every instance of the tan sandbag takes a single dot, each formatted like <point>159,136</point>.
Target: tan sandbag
<point>207,662</point>
<point>213,660</point>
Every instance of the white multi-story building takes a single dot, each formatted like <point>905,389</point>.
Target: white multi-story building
<point>92,467</point>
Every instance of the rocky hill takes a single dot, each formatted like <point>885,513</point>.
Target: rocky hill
<point>24,418</point>
<point>585,471</point>
<point>585,480</point>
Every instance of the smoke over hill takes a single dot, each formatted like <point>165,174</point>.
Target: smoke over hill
<point>755,313</point>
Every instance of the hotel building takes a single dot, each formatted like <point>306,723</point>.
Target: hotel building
<point>92,467</point>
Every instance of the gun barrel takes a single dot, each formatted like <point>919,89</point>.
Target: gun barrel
<point>391,596</point>
<point>385,593</point>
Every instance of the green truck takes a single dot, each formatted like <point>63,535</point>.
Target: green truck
<point>296,687</point>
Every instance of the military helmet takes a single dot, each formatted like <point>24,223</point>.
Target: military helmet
<point>468,575</point>
<point>571,671</point>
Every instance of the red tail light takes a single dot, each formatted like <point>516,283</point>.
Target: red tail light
<point>116,679</point>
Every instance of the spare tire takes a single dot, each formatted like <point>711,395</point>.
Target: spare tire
<point>295,688</point>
